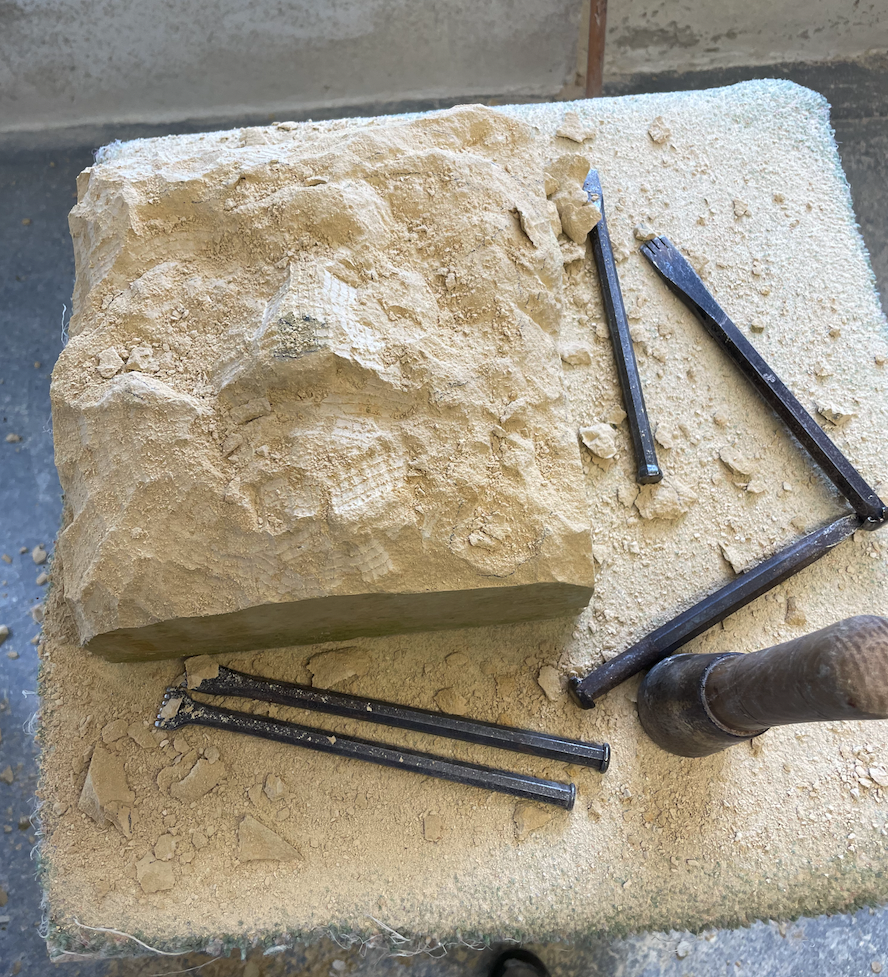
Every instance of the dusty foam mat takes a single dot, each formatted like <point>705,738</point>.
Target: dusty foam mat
<point>747,181</point>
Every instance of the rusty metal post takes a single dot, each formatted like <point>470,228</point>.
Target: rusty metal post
<point>595,58</point>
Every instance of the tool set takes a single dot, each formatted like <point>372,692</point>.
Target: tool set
<point>869,510</point>
<point>180,709</point>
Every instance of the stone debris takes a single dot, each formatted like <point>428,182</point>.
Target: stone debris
<point>682,951</point>
<point>758,484</point>
<point>449,700</point>
<point>615,416</point>
<point>332,668</point>
<point>577,213</point>
<point>575,354</point>
<point>571,252</point>
<point>667,434</point>
<point>165,848</point>
<point>170,708</point>
<point>42,578</point>
<point>879,775</point>
<point>257,843</point>
<point>114,730</point>
<point>530,817</point>
<point>39,554</point>
<point>6,558</point>
<point>37,613</point>
<point>199,668</point>
<point>658,131</point>
<point>643,233</point>
<point>627,494</point>
<point>838,415</point>
<point>212,754</point>
<point>433,828</point>
<point>739,558</point>
<point>668,499</point>
<point>537,227</point>
<point>141,359</point>
<point>600,439</point>
<point>142,735</point>
<point>572,128</point>
<point>106,795</point>
<point>737,462</point>
<point>12,438</point>
<point>4,633</point>
<point>275,788</point>
<point>109,363</point>
<point>795,615</point>
<point>154,876</point>
<point>551,682</point>
<point>199,839</point>
<point>204,776</point>
<point>741,208</point>
<point>12,655</point>
<point>6,775</point>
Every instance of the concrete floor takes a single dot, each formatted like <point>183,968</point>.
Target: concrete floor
<point>36,277</point>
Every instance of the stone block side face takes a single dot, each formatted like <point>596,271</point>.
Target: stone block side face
<point>315,361</point>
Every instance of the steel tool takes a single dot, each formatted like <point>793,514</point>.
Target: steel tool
<point>756,581</point>
<point>695,705</point>
<point>232,683</point>
<point>179,709</point>
<point>647,468</point>
<point>686,284</point>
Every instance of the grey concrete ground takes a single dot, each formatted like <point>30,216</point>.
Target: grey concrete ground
<point>36,276</point>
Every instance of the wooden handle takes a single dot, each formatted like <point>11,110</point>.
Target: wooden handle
<point>837,673</point>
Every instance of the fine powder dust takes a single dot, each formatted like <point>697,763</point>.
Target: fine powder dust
<point>211,839</point>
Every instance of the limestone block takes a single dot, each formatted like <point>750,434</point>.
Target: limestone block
<point>341,411</point>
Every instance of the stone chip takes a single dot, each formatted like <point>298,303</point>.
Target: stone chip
<point>666,500</point>
<point>106,795</point>
<point>154,876</point>
<point>204,776</point>
<point>332,668</point>
<point>529,817</point>
<point>257,843</point>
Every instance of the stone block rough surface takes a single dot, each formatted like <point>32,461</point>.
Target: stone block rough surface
<point>312,389</point>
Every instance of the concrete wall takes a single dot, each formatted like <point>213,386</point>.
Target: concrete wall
<point>646,36</point>
<point>75,62</point>
<point>87,62</point>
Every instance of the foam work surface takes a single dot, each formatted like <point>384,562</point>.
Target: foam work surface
<point>747,182</point>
